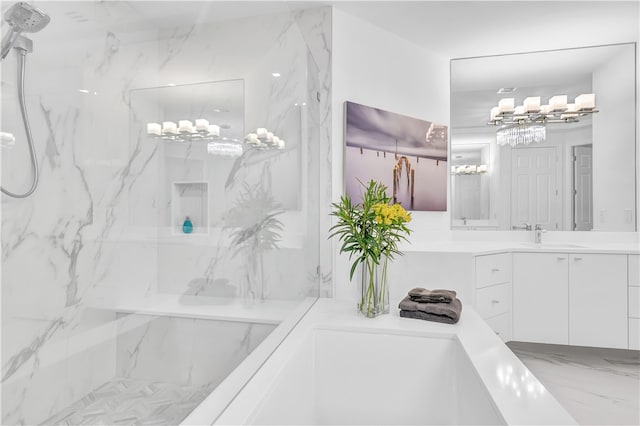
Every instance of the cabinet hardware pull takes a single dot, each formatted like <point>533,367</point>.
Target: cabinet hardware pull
<point>495,270</point>
<point>562,258</point>
<point>495,301</point>
<point>577,258</point>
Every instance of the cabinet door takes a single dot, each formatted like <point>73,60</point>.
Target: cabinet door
<point>634,270</point>
<point>541,297</point>
<point>598,302</point>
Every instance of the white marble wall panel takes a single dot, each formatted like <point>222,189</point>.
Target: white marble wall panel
<point>62,372</point>
<point>186,351</point>
<point>315,25</point>
<point>215,271</point>
<point>94,220</point>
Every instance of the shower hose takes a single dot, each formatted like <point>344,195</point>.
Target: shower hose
<point>22,55</point>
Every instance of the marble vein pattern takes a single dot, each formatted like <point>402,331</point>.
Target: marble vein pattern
<point>123,401</point>
<point>597,386</point>
<point>96,220</point>
<point>200,352</point>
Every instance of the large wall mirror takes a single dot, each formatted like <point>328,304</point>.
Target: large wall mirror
<point>572,171</point>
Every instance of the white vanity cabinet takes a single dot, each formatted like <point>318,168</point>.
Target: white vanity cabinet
<point>541,298</point>
<point>597,300</point>
<point>493,292</point>
<point>566,298</point>
<point>634,301</point>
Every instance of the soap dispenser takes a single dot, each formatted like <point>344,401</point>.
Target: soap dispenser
<point>187,226</point>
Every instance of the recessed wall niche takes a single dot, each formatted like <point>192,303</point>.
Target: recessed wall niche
<point>190,200</point>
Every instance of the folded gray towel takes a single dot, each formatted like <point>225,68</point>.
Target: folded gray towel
<point>428,317</point>
<point>448,310</point>
<point>423,295</point>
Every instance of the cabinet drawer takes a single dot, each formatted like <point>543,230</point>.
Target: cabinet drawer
<point>501,325</point>
<point>634,302</point>
<point>494,300</point>
<point>634,270</point>
<point>634,334</point>
<point>493,269</point>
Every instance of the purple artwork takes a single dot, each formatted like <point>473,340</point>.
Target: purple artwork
<point>406,154</point>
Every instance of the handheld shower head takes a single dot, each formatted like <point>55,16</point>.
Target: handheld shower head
<point>26,18</point>
<point>23,18</point>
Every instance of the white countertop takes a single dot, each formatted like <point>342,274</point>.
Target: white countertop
<point>530,403</point>
<point>489,247</point>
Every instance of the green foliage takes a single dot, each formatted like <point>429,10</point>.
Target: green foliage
<point>253,219</point>
<point>371,229</point>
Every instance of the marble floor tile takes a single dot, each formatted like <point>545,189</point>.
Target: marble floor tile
<point>132,402</point>
<point>595,385</point>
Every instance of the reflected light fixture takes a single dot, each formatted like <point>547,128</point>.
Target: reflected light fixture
<point>263,139</point>
<point>184,131</point>
<point>7,139</point>
<point>202,131</point>
<point>521,134</point>
<point>469,169</point>
<point>225,148</point>
<point>524,124</point>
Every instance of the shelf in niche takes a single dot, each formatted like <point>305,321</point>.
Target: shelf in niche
<point>191,199</point>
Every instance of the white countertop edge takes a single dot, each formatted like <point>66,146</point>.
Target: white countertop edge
<point>218,400</point>
<point>477,248</point>
<point>485,350</point>
<point>482,346</point>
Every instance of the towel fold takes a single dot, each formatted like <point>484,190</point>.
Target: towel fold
<point>423,295</point>
<point>427,317</point>
<point>441,312</point>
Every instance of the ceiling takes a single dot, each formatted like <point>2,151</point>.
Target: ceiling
<point>457,29</point>
<point>451,29</point>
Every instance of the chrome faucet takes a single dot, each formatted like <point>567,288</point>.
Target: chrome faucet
<point>525,227</point>
<point>538,233</point>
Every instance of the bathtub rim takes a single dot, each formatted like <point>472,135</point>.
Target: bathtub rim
<point>212,407</point>
<point>480,345</point>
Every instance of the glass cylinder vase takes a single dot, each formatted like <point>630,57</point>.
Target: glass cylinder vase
<point>374,292</point>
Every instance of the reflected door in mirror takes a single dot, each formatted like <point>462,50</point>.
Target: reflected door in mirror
<point>534,194</point>
<point>583,188</point>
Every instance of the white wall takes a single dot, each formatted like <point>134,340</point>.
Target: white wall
<point>613,198</point>
<point>377,68</point>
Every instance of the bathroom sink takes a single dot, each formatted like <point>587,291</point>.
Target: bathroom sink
<point>553,245</point>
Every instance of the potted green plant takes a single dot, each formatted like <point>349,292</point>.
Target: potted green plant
<point>370,233</point>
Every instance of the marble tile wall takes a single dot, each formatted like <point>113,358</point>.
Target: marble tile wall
<point>200,352</point>
<point>94,220</point>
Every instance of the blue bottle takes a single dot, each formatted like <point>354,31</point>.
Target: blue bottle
<point>187,226</point>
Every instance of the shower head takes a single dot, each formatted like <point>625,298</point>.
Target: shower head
<point>23,18</point>
<point>26,18</point>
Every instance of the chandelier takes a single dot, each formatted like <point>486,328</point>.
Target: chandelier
<point>521,134</point>
<point>524,124</point>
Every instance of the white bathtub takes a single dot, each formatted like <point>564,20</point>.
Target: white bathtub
<point>338,368</point>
